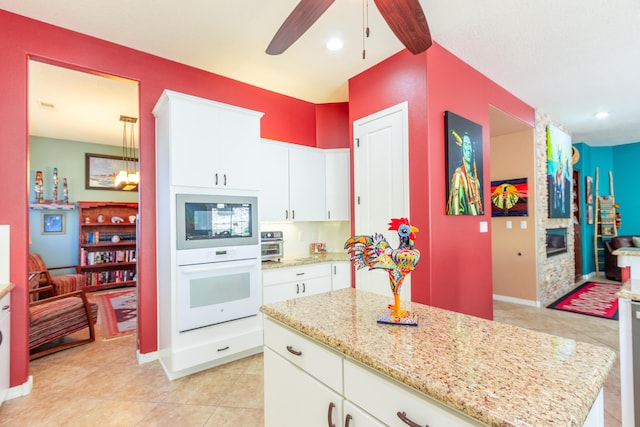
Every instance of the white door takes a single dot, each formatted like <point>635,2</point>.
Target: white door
<point>381,185</point>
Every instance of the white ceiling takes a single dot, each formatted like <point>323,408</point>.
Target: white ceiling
<point>569,58</point>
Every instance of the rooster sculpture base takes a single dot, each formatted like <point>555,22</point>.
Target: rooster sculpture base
<point>374,252</point>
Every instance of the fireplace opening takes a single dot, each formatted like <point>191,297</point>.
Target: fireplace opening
<point>556,241</point>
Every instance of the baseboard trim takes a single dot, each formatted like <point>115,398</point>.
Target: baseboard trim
<point>20,390</point>
<point>516,300</point>
<point>143,358</point>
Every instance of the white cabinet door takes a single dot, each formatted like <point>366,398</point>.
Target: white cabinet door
<point>211,144</point>
<point>356,417</point>
<point>291,290</point>
<point>340,275</point>
<point>5,347</point>
<point>274,181</point>
<point>337,184</point>
<point>306,184</point>
<point>294,398</point>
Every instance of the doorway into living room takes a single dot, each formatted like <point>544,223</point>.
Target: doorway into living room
<point>78,142</point>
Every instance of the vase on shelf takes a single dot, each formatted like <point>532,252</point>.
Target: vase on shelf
<point>54,195</point>
<point>65,191</point>
<point>38,187</point>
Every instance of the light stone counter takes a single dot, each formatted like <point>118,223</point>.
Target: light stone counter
<point>295,261</point>
<point>499,374</point>
<point>5,288</point>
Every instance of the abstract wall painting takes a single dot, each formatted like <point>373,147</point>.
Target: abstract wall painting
<point>559,172</point>
<point>509,197</point>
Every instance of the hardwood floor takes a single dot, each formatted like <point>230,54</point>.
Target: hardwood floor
<point>101,384</point>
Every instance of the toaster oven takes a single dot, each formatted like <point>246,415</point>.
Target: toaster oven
<point>272,245</point>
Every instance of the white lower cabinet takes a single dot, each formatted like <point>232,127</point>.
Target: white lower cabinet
<point>307,383</point>
<point>340,275</point>
<point>5,347</point>
<point>293,282</point>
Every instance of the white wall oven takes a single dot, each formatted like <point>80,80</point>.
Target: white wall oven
<point>218,260</point>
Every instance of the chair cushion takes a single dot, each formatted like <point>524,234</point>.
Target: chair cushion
<point>53,320</point>
<point>68,283</point>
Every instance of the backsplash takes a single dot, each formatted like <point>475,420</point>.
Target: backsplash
<point>299,235</point>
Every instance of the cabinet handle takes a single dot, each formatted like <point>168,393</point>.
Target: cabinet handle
<point>304,288</point>
<point>216,178</point>
<point>286,214</point>
<point>335,270</point>
<point>407,421</point>
<point>0,337</point>
<point>347,419</point>
<point>297,288</point>
<point>328,214</point>
<point>330,414</point>
<point>223,348</point>
<point>6,307</point>
<point>300,274</point>
<point>294,352</point>
<point>293,214</point>
<point>225,179</point>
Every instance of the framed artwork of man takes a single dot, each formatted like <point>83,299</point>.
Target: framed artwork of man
<point>464,166</point>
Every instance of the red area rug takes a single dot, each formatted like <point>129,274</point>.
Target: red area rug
<point>591,298</point>
<point>120,312</point>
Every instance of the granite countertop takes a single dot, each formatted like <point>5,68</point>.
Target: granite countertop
<point>499,374</point>
<point>630,290</point>
<point>294,261</point>
<point>5,288</point>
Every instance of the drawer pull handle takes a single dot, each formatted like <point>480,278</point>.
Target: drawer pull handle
<point>300,274</point>
<point>347,419</point>
<point>330,414</point>
<point>406,420</point>
<point>292,351</point>
<point>6,307</point>
<point>223,348</point>
<point>304,288</point>
<point>225,179</point>
<point>297,288</point>
<point>216,178</point>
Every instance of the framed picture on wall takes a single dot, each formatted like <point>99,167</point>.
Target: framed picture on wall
<point>463,151</point>
<point>559,172</point>
<point>589,189</point>
<point>509,197</point>
<point>101,170</point>
<point>53,223</point>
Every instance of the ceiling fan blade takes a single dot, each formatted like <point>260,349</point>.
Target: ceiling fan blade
<point>406,20</point>
<point>303,16</point>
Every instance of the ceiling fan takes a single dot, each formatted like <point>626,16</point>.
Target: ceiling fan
<point>405,18</point>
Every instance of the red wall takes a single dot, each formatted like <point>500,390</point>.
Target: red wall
<point>285,119</point>
<point>455,267</point>
<point>332,125</point>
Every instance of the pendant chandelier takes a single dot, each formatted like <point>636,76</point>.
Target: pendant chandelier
<point>128,178</point>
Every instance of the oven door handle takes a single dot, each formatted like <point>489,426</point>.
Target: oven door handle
<point>190,269</point>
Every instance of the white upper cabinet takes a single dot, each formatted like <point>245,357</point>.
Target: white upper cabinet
<point>337,184</point>
<point>207,143</point>
<point>299,183</point>
<point>292,182</point>
<point>306,183</point>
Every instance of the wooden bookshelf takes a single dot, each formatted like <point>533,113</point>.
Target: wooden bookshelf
<point>107,248</point>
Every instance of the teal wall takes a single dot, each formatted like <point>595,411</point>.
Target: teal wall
<point>69,157</point>
<point>622,161</point>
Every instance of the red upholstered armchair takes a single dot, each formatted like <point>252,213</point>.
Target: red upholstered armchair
<point>59,284</point>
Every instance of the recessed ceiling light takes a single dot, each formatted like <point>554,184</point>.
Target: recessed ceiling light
<point>335,44</point>
<point>602,115</point>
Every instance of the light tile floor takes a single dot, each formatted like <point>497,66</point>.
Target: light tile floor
<point>101,384</point>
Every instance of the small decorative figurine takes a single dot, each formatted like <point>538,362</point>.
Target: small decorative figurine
<point>375,252</point>
<point>65,191</point>
<point>54,195</point>
<point>100,218</point>
<point>38,187</point>
<point>116,219</point>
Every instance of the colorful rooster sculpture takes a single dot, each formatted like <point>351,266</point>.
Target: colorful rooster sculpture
<point>375,252</point>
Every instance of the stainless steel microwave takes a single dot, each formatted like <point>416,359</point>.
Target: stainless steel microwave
<point>212,221</point>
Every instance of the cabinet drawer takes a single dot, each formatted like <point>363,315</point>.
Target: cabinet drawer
<point>384,398</point>
<point>314,358</point>
<point>292,274</point>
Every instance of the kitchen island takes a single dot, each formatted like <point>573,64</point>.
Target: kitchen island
<point>628,309</point>
<point>470,370</point>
